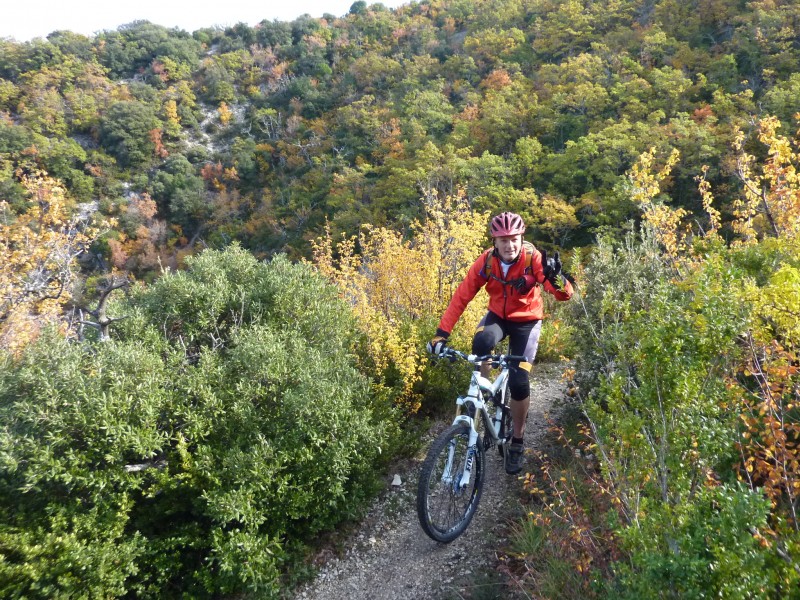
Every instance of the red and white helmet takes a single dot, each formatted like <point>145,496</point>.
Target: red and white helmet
<point>507,223</point>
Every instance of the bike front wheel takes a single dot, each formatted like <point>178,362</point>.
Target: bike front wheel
<point>445,502</point>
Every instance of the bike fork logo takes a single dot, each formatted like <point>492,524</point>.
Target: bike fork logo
<point>470,458</point>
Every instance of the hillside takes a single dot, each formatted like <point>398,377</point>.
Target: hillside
<point>261,134</point>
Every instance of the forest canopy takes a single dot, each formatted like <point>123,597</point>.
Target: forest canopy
<point>262,134</point>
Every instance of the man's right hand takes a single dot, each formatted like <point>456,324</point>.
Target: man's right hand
<point>439,343</point>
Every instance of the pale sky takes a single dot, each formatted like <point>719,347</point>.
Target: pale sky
<point>24,20</point>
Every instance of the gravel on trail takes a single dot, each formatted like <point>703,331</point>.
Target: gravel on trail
<point>389,557</point>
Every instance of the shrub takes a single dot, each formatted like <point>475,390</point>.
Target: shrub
<point>709,550</point>
<point>221,428</point>
<point>664,415</point>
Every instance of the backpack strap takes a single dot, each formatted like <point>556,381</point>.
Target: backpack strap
<point>486,272</point>
<point>487,265</point>
<point>529,250</point>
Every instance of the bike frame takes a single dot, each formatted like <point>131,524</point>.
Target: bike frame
<point>452,476</point>
<point>479,388</point>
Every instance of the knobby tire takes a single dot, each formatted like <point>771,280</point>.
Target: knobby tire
<point>444,508</point>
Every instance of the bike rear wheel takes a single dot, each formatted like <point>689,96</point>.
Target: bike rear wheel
<point>444,506</point>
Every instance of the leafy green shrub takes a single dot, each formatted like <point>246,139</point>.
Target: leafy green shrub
<point>655,360</point>
<point>700,549</point>
<point>221,428</point>
<point>655,380</point>
<point>71,420</point>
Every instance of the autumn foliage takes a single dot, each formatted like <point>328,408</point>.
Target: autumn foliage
<point>397,286</point>
<point>38,252</point>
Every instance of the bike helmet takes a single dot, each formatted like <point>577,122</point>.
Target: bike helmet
<point>507,223</point>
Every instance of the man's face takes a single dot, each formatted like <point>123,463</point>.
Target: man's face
<point>508,246</point>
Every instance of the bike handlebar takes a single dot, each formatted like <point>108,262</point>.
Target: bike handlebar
<point>452,354</point>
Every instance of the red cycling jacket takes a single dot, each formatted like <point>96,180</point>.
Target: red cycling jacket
<point>504,301</point>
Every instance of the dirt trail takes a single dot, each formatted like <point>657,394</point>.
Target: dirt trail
<point>389,557</point>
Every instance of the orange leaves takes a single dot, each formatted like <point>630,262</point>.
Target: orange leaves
<point>701,114</point>
<point>497,80</point>
<point>142,244</point>
<point>770,436</point>
<point>218,175</point>
<point>144,206</point>
<point>158,145</point>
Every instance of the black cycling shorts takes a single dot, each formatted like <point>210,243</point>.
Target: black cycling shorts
<point>523,338</point>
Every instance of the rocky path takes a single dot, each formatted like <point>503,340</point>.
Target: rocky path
<point>389,557</point>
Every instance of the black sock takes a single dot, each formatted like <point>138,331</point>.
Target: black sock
<point>516,440</point>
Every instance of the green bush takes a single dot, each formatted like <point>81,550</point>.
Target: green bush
<point>72,418</point>
<point>221,428</point>
<point>702,549</point>
<point>655,359</point>
<point>660,345</point>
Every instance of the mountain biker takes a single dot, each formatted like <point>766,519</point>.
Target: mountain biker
<point>512,271</point>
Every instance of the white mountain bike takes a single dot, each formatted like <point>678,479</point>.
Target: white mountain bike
<point>452,476</point>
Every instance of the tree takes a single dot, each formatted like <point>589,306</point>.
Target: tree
<point>181,192</point>
<point>429,109</point>
<point>125,133</point>
<point>38,251</point>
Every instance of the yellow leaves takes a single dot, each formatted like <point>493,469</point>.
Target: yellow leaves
<point>665,222</point>
<point>646,185</point>
<point>173,120</point>
<point>37,252</point>
<point>395,284</point>
<point>771,202</point>
<point>714,217</point>
<point>225,113</point>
